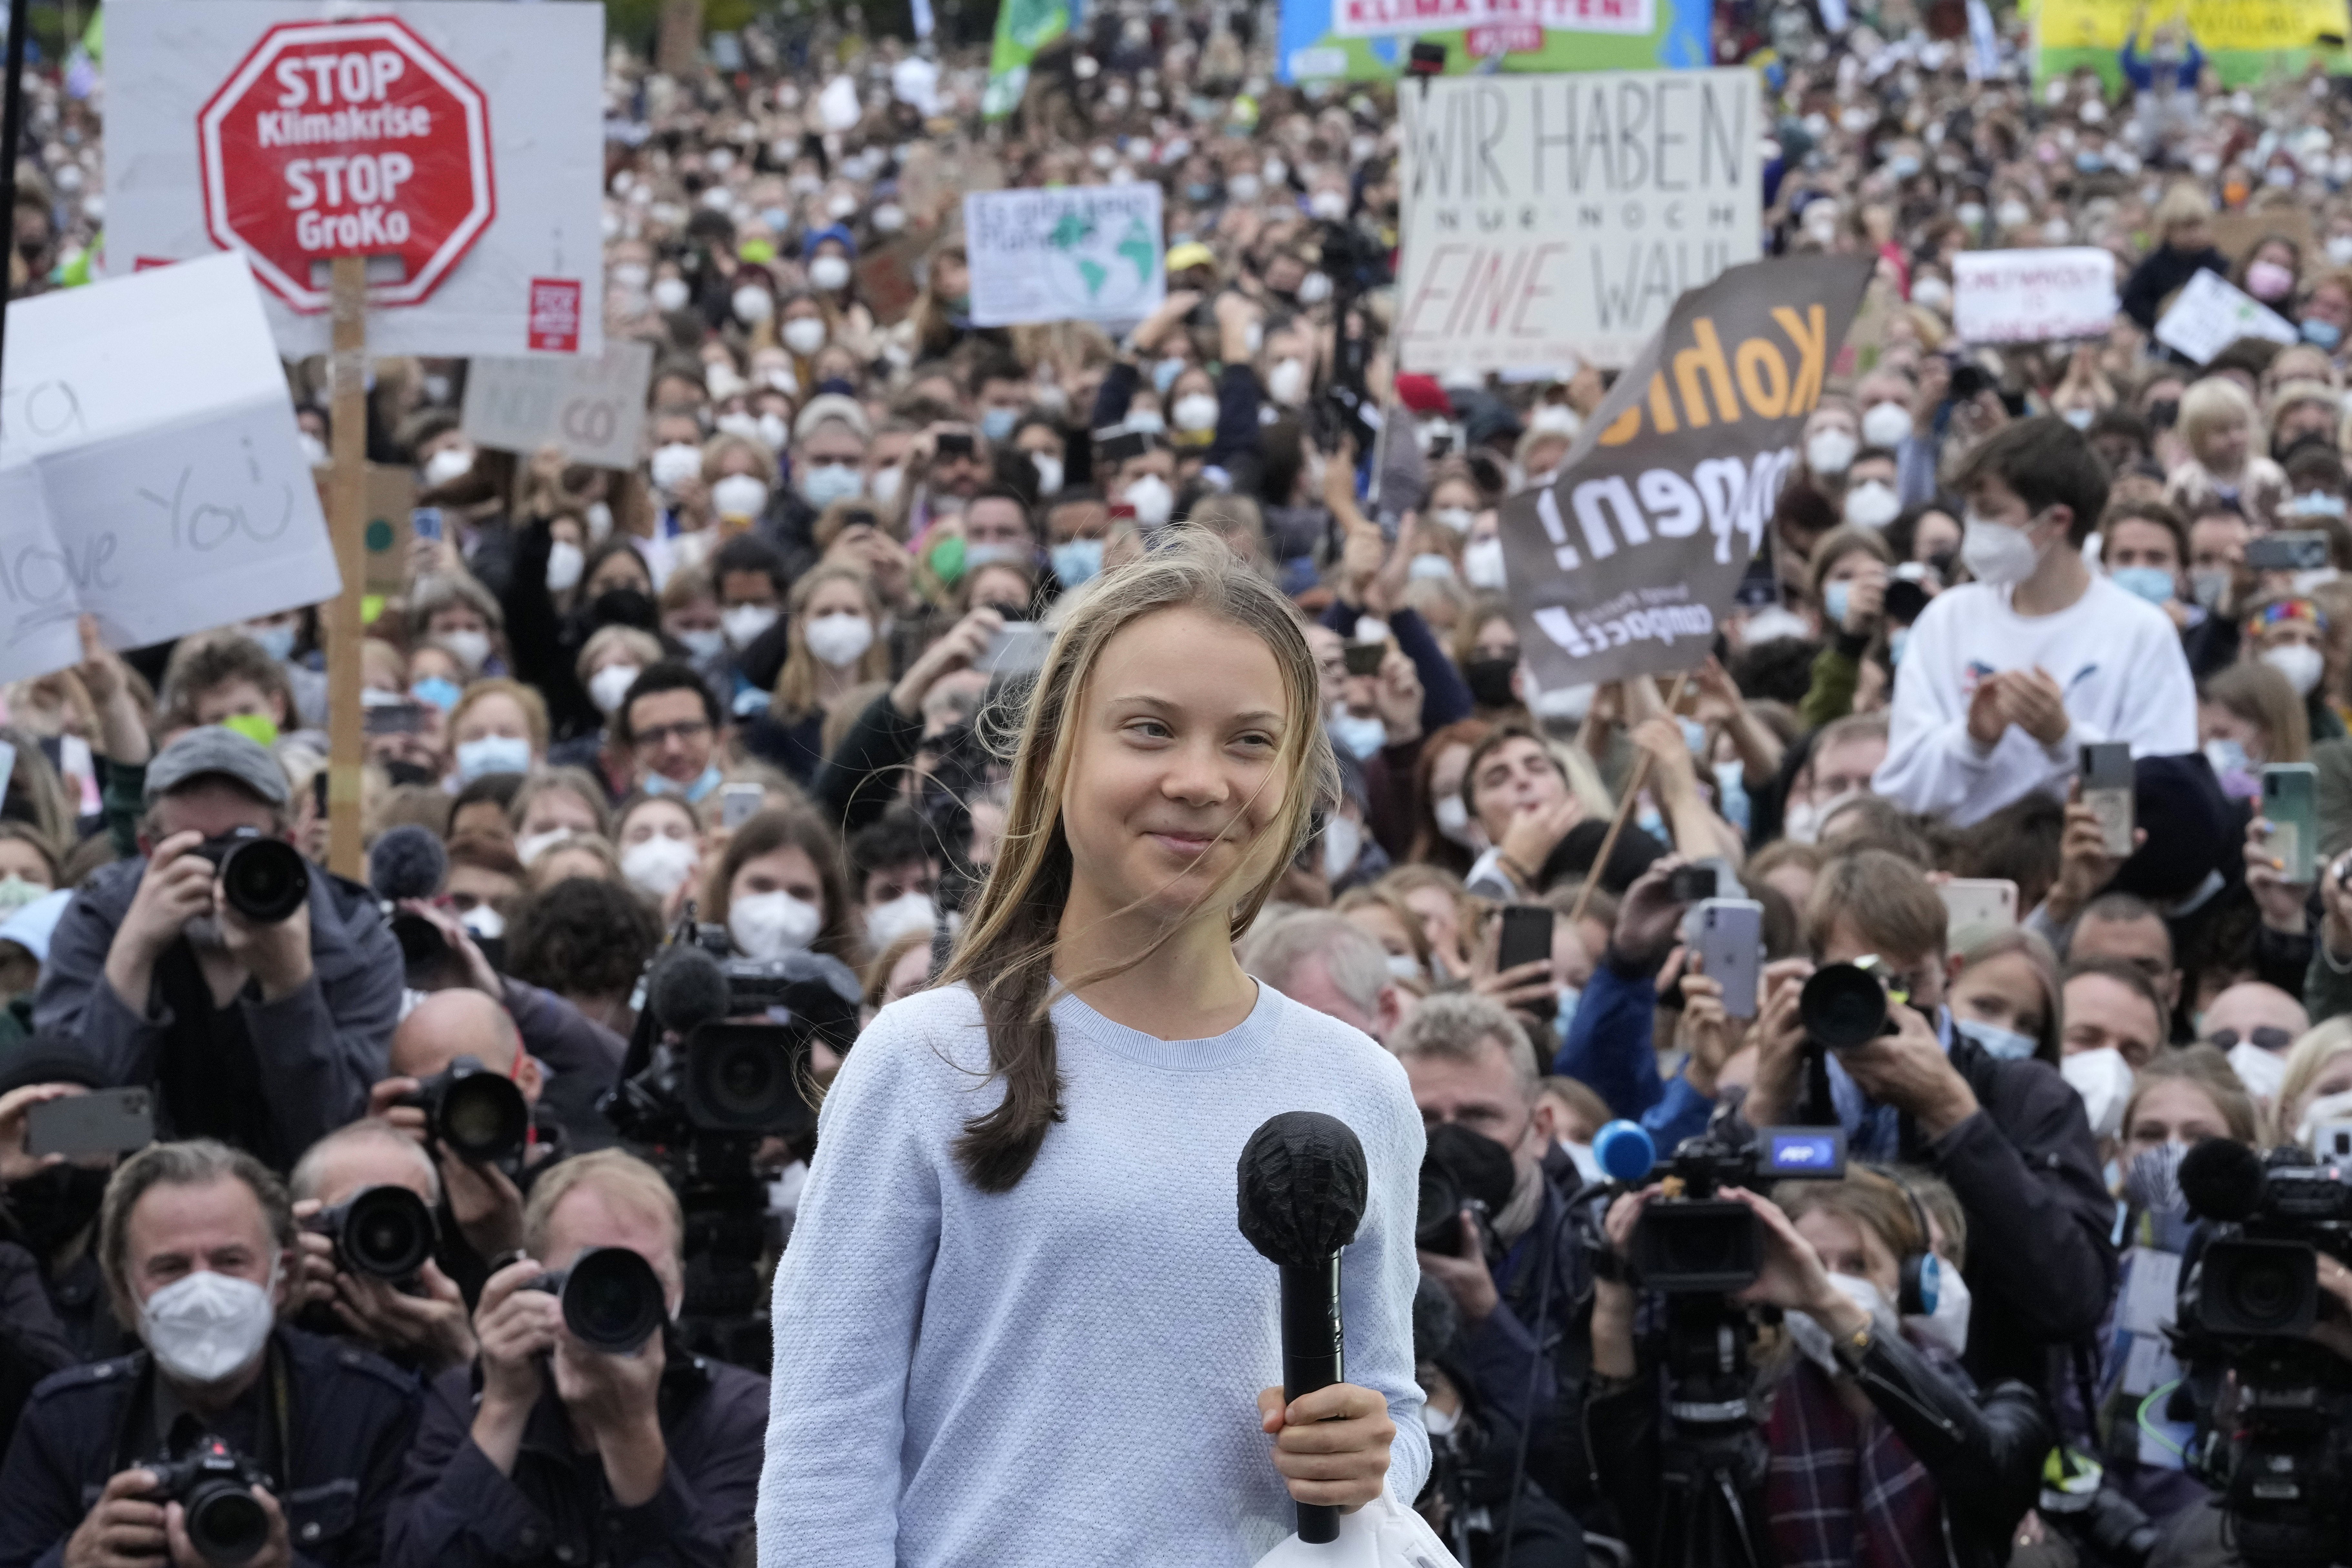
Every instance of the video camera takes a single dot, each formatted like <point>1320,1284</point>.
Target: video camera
<point>613,1300</point>
<point>1689,1241</point>
<point>226,1522</point>
<point>383,1232</point>
<point>265,879</point>
<point>480,1115</point>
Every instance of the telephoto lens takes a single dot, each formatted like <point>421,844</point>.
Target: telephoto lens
<point>478,1114</point>
<point>1844,1005</point>
<point>613,1300</point>
<point>385,1232</point>
<point>263,879</point>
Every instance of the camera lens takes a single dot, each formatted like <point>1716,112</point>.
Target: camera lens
<point>2265,1292</point>
<point>483,1117</point>
<point>1842,1005</point>
<point>613,1300</point>
<point>386,1232</point>
<point>263,880</point>
<point>226,1522</point>
<point>747,1077</point>
<point>1438,1223</point>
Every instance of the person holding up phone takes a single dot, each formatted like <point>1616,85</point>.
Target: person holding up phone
<point>2004,679</point>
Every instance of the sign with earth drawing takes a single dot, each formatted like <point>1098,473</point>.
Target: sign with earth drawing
<point>1082,253</point>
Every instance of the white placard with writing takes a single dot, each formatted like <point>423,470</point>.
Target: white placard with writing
<point>1078,253</point>
<point>1553,219</point>
<point>2033,295</point>
<point>594,409</point>
<point>2211,312</point>
<point>1383,18</point>
<point>149,473</point>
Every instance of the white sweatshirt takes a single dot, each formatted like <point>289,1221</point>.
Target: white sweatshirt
<point>2116,658</point>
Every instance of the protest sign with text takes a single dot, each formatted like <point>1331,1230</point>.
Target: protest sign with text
<point>459,146</point>
<point>149,471</point>
<point>1369,40</point>
<point>1624,563</point>
<point>2033,295</point>
<point>1553,220</point>
<point>594,409</point>
<point>2211,312</point>
<point>1076,253</point>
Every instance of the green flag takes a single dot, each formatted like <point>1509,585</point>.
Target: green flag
<point>1022,27</point>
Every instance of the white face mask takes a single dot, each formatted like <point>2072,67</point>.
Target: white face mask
<point>1805,820</point>
<point>1287,383</point>
<point>1885,424</point>
<point>2104,1080</point>
<point>1152,500</point>
<point>600,522</point>
<point>1343,840</point>
<point>753,305</point>
<point>912,911</point>
<point>1830,451</point>
<point>744,623</point>
<point>2328,1108</point>
<point>1813,1341</point>
<point>739,496</point>
<point>1482,563</point>
<point>1457,518</point>
<point>884,484</point>
<point>1944,1330</point>
<point>2300,663</point>
<point>209,1326</point>
<point>1872,505</point>
<point>1936,295</point>
<point>1454,822</point>
<point>609,684</point>
<point>1997,553</point>
<point>829,272</point>
<point>483,922</point>
<point>531,846</point>
<point>448,463</point>
<point>658,866</point>
<point>803,335</point>
<point>565,562</point>
<point>671,294</point>
<point>471,646</point>
<point>2259,1070</point>
<point>770,925</point>
<point>840,638</point>
<point>1196,412</point>
<point>675,464</point>
<point>314,451</point>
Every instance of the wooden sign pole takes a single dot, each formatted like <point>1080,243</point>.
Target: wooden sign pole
<point>347,523</point>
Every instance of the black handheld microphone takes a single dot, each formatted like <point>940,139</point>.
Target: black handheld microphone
<point>1302,1197</point>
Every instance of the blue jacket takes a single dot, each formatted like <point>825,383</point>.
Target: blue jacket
<point>1608,1049</point>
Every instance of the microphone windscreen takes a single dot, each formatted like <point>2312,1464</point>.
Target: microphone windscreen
<point>407,862</point>
<point>1302,1187</point>
<point>2221,1179</point>
<point>688,988</point>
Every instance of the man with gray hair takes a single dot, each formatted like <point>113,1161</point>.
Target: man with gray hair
<point>262,1033</point>
<point>1328,963</point>
<point>1515,1273</point>
<point>424,1327</point>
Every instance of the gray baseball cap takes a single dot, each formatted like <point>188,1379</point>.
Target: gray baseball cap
<point>210,749</point>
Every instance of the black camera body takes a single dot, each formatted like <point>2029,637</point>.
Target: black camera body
<point>613,1300</point>
<point>265,879</point>
<point>1461,1171</point>
<point>478,1114</point>
<point>213,1484</point>
<point>383,1232</point>
<point>1691,1242</point>
<point>1845,1006</point>
<point>2258,1275</point>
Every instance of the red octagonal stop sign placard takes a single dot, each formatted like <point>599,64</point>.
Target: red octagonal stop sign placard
<point>347,139</point>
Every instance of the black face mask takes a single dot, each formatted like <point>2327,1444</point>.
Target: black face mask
<point>625,607</point>
<point>1489,681</point>
<point>1010,612</point>
<point>403,772</point>
<point>49,1206</point>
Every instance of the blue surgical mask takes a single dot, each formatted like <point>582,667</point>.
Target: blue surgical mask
<point>1359,737</point>
<point>439,689</point>
<point>1896,640</point>
<point>278,641</point>
<point>492,755</point>
<point>2226,755</point>
<point>826,483</point>
<point>1650,822</point>
<point>2006,1044</point>
<point>656,783</point>
<point>1164,375</point>
<point>1694,735</point>
<point>1570,995</point>
<point>1732,794</point>
<point>2089,163</point>
<point>2153,583</point>
<point>2322,334</point>
<point>1076,561</point>
<point>1835,598</point>
<point>997,424</point>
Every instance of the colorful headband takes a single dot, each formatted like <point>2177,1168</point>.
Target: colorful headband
<point>2282,610</point>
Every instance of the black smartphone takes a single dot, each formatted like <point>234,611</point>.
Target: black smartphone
<point>1364,657</point>
<point>1527,938</point>
<point>104,1121</point>
<point>1967,381</point>
<point>1905,600</point>
<point>319,793</point>
<point>1689,884</point>
<point>404,717</point>
<point>955,444</point>
<point>2295,551</point>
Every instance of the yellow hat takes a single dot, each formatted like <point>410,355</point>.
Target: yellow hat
<point>1189,255</point>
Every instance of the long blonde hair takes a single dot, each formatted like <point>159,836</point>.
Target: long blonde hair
<point>1006,951</point>
<point>795,697</point>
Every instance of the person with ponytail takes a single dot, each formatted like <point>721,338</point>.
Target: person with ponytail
<point>1017,1321</point>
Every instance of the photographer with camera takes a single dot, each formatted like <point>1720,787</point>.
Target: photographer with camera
<point>254,992</point>
<point>2009,1136</point>
<point>1880,1450</point>
<point>1509,1255</point>
<point>231,1440</point>
<point>365,1196</point>
<point>585,1434</point>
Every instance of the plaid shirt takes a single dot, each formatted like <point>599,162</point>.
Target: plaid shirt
<point>1842,1495</point>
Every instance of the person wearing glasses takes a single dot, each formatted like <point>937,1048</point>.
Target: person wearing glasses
<point>670,723</point>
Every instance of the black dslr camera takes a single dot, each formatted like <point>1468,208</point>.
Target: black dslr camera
<point>226,1522</point>
<point>265,879</point>
<point>478,1114</point>
<point>384,1232</point>
<point>1460,1171</point>
<point>1844,1005</point>
<point>613,1300</point>
<point>1691,1242</point>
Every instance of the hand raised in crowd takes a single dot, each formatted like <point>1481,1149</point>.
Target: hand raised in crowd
<point>432,1326</point>
<point>1515,987</point>
<point>484,1202</point>
<point>312,1283</point>
<point>959,648</point>
<point>1465,1274</point>
<point>1157,327</point>
<point>1535,833</point>
<point>1710,1034</point>
<point>479,970</point>
<point>1791,1276</point>
<point>1779,1036</point>
<point>15,1163</point>
<point>517,1329</point>
<point>274,953</point>
<point>2085,867</point>
<point>1865,598</point>
<point>175,888</point>
<point>2281,903</point>
<point>1649,915</point>
<point>1396,697</point>
<point>2336,900</point>
<point>612,1401</point>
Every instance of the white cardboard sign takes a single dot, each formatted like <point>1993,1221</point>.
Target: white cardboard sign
<point>2211,312</point>
<point>1077,253</point>
<point>541,70</point>
<point>149,473</point>
<point>2033,295</point>
<point>594,409</point>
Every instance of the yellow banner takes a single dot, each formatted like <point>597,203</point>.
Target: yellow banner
<point>2217,26</point>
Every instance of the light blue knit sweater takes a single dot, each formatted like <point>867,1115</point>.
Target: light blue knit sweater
<point>1069,1373</point>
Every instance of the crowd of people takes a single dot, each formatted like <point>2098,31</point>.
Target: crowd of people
<point>764,679</point>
